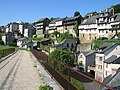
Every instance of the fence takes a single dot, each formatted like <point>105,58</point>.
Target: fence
<point>6,52</point>
<point>65,75</point>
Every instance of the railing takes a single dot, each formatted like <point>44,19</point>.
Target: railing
<point>6,52</point>
<point>64,74</point>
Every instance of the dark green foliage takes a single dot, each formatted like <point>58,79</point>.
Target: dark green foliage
<point>76,13</point>
<point>1,42</point>
<point>76,29</point>
<point>118,34</point>
<point>62,56</point>
<point>65,35</point>
<point>56,33</point>
<point>12,44</point>
<point>46,87</point>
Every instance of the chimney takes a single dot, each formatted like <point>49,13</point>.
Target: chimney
<point>113,11</point>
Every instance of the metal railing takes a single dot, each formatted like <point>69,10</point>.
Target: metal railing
<point>63,74</point>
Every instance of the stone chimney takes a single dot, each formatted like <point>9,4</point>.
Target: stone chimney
<point>113,11</point>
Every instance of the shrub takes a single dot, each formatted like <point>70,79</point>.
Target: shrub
<point>46,87</point>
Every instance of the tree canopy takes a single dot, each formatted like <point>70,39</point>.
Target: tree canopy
<point>63,56</point>
<point>76,13</point>
<point>65,36</point>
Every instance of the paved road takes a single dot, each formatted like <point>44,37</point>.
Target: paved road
<point>18,73</point>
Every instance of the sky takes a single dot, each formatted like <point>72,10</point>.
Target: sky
<point>32,10</point>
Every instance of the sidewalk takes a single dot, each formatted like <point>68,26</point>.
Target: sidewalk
<point>46,76</point>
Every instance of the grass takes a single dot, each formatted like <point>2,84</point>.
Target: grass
<point>4,47</point>
<point>77,83</point>
<point>98,43</point>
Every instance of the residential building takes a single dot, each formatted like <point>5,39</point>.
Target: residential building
<point>68,44</point>
<point>111,65</point>
<point>24,43</point>
<point>22,28</point>
<point>103,53</point>
<point>103,25</point>
<point>8,38</point>
<point>69,24</point>
<point>41,26</point>
<point>88,30</point>
<point>56,25</point>
<point>115,25</point>
<point>85,59</point>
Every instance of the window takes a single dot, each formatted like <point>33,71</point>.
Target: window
<point>72,45</point>
<point>80,56</point>
<point>67,44</point>
<point>106,73</point>
<point>100,58</point>
<point>83,35</point>
<point>106,65</point>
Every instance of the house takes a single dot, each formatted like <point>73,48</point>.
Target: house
<point>52,27</point>
<point>68,44</point>
<point>85,59</point>
<point>99,26</point>
<point>103,54</point>
<point>8,38</point>
<point>2,28</point>
<point>69,24</point>
<point>102,21</point>
<point>41,26</point>
<point>114,81</point>
<point>24,43</point>
<point>22,28</point>
<point>88,31</point>
<point>115,24</point>
<point>56,25</point>
<point>111,65</point>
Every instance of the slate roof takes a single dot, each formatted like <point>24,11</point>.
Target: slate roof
<point>87,53</point>
<point>91,20</point>
<point>59,19</point>
<point>117,19</point>
<point>71,18</point>
<point>61,43</point>
<point>42,19</point>
<point>21,39</point>
<point>107,46</point>
<point>113,59</point>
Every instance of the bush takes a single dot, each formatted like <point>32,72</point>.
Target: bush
<point>46,87</point>
<point>63,56</point>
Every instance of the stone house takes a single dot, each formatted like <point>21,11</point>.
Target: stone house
<point>68,44</point>
<point>69,24</point>
<point>41,26</point>
<point>104,25</point>
<point>7,38</point>
<point>85,59</point>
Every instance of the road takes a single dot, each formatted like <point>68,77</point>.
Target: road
<point>18,73</point>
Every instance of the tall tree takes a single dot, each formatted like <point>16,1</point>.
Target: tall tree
<point>76,13</point>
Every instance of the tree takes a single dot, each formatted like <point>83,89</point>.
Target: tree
<point>63,56</point>
<point>56,33</point>
<point>116,8</point>
<point>76,13</point>
<point>65,36</point>
<point>76,29</point>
